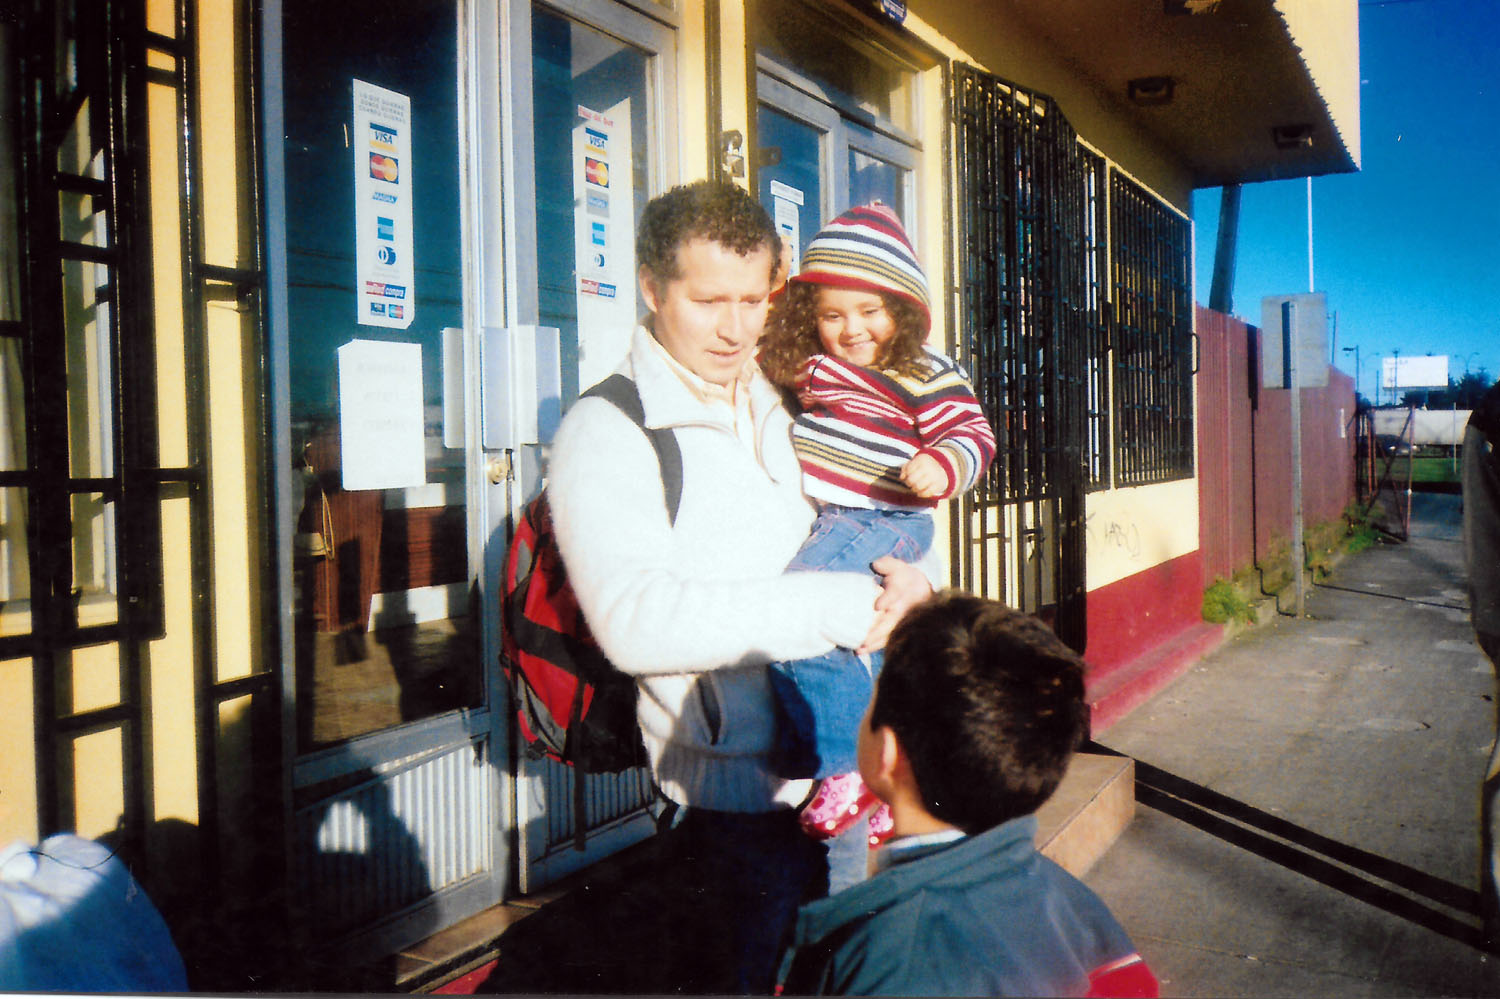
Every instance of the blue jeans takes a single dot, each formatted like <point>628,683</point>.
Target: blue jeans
<point>820,701</point>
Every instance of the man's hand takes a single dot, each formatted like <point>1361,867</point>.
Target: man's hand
<point>904,587</point>
<point>925,477</point>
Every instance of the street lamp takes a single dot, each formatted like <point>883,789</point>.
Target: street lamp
<point>1355,351</point>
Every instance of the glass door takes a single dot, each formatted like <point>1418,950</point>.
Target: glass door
<point>396,805</point>
<point>592,148</point>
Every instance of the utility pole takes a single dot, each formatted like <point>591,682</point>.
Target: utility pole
<point>1293,377</point>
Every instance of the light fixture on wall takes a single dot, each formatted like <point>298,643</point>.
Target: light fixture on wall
<point>1148,91</point>
<point>1292,136</point>
<point>732,153</point>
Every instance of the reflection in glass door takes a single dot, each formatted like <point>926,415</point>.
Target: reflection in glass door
<point>592,95</point>
<point>600,75</point>
<point>874,179</point>
<point>384,633</point>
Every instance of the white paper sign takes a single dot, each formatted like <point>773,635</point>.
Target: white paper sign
<point>384,271</point>
<point>786,202</point>
<point>380,415</point>
<point>603,239</point>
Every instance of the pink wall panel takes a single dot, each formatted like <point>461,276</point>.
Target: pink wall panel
<point>1245,449</point>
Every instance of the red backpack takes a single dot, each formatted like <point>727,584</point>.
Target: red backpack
<point>573,704</point>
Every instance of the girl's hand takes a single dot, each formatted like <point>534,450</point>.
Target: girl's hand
<point>904,587</point>
<point>925,477</point>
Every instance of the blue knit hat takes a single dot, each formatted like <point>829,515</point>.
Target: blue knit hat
<point>866,247</point>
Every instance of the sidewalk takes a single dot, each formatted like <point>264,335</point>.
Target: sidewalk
<point>1308,820</point>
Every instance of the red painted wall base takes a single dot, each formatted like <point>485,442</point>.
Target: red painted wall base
<point>1143,632</point>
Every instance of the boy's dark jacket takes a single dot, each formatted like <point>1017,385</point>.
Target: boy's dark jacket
<point>984,915</point>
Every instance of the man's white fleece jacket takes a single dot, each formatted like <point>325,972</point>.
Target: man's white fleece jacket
<point>696,608</point>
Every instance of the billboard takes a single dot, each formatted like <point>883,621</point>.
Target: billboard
<point>1414,372</point>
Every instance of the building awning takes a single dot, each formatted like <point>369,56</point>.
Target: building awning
<point>1237,90</point>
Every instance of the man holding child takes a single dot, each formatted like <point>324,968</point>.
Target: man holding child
<point>695,607</point>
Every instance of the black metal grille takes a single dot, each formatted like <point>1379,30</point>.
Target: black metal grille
<point>1028,330</point>
<point>1094,312</point>
<point>88,317</point>
<point>93,517</point>
<point>1153,390</point>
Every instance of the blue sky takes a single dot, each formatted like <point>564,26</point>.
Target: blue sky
<point>1408,249</point>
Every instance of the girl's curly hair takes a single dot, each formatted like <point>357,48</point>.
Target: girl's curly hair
<point>791,335</point>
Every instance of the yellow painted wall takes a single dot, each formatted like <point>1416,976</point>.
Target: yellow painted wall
<point>1010,50</point>
<point>170,678</point>
<point>169,660</point>
<point>691,132</point>
<point>18,812</point>
<point>737,106</point>
<point>1130,530</point>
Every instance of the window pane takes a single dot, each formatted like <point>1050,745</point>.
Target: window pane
<point>592,102</point>
<point>855,74</point>
<point>12,402</point>
<point>94,570</point>
<point>15,564</point>
<point>10,233</point>
<point>872,179</point>
<point>791,168</point>
<point>383,586</point>
<point>86,321</point>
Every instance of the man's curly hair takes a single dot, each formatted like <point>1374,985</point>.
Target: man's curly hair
<point>712,210</point>
<point>791,335</point>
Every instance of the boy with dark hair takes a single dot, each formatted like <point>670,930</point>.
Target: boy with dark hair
<point>973,721</point>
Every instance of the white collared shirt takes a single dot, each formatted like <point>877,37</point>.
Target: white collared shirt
<point>733,401</point>
<point>897,847</point>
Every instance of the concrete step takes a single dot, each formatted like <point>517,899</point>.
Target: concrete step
<point>1088,811</point>
<point>1114,694</point>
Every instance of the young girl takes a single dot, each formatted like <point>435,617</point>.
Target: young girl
<point>888,428</point>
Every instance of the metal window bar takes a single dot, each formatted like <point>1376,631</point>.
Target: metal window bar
<point>204,282</point>
<point>81,74</point>
<point>1094,313</point>
<point>1024,335</point>
<point>1152,337</point>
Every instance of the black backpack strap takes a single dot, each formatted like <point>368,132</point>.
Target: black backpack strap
<point>626,397</point>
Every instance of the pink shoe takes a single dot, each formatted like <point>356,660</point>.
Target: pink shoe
<point>841,801</point>
<point>881,825</point>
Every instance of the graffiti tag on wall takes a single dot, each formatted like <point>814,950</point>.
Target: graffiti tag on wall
<point>1124,535</point>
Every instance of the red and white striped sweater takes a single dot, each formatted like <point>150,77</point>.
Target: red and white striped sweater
<point>859,426</point>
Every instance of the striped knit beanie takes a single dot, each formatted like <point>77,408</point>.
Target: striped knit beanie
<point>866,247</point>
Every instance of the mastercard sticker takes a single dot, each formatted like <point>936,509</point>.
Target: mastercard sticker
<point>384,167</point>
<point>596,171</point>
